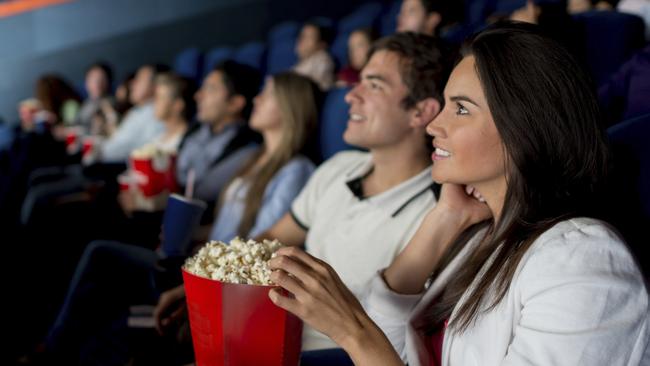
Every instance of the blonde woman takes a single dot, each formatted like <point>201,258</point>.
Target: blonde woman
<point>284,113</point>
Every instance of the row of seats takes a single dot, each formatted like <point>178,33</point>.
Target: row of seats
<point>617,35</point>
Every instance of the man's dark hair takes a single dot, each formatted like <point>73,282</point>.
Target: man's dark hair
<point>425,64</point>
<point>241,80</point>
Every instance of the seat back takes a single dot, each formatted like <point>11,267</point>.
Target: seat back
<point>188,63</point>
<point>216,56</point>
<point>333,123</point>
<point>611,39</point>
<point>252,54</point>
<point>629,192</point>
<point>281,56</point>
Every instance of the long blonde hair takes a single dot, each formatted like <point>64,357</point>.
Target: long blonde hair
<point>298,99</point>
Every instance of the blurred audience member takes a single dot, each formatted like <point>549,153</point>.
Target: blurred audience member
<point>429,17</point>
<point>174,106</point>
<point>99,79</point>
<point>580,6</point>
<point>359,44</point>
<point>123,94</point>
<point>219,147</point>
<point>140,125</point>
<point>58,98</point>
<point>313,59</point>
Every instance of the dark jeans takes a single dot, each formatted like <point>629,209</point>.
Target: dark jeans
<point>91,327</point>
<point>325,357</point>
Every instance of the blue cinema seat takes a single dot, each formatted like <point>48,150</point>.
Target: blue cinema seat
<point>612,39</point>
<point>189,62</point>
<point>333,122</point>
<point>252,54</point>
<point>215,56</point>
<point>283,31</point>
<point>629,191</point>
<point>281,56</point>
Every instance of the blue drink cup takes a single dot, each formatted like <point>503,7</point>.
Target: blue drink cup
<point>182,216</point>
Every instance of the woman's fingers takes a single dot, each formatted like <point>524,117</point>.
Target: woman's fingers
<point>310,270</point>
<point>290,283</point>
<point>308,260</point>
<point>285,302</point>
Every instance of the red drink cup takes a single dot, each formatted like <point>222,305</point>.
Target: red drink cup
<point>70,138</point>
<point>87,146</point>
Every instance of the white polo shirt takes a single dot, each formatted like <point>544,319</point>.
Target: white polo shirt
<point>357,235</point>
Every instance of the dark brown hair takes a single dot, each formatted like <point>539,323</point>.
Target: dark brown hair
<point>53,92</point>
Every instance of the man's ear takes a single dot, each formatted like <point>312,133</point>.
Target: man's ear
<point>236,104</point>
<point>179,105</point>
<point>424,112</point>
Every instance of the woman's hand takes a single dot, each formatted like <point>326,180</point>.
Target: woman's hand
<point>320,299</point>
<point>457,209</point>
<point>465,203</point>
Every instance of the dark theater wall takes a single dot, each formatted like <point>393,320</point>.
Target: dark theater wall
<point>66,38</point>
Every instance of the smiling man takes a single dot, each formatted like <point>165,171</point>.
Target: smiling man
<point>360,208</point>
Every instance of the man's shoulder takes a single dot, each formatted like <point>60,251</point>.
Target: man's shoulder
<point>345,162</point>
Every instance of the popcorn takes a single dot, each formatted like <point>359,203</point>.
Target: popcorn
<point>148,151</point>
<point>240,262</point>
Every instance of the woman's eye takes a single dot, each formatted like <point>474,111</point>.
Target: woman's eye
<point>460,110</point>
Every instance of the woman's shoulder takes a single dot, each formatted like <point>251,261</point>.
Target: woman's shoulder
<point>579,231</point>
<point>298,166</point>
<point>579,244</point>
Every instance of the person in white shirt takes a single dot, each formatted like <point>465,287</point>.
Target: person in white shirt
<point>174,106</point>
<point>508,268</point>
<point>313,59</point>
<point>140,124</point>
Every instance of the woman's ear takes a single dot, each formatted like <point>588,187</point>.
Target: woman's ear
<point>424,112</point>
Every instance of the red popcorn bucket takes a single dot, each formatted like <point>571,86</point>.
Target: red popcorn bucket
<point>239,325</point>
<point>156,174</point>
<point>150,182</point>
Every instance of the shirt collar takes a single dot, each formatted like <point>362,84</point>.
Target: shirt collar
<point>397,198</point>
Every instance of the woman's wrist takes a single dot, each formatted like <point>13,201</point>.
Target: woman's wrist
<point>367,345</point>
<point>453,220</point>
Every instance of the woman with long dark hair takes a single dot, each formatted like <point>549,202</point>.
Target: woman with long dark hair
<point>510,267</point>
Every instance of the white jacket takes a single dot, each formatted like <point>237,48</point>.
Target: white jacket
<point>576,298</point>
